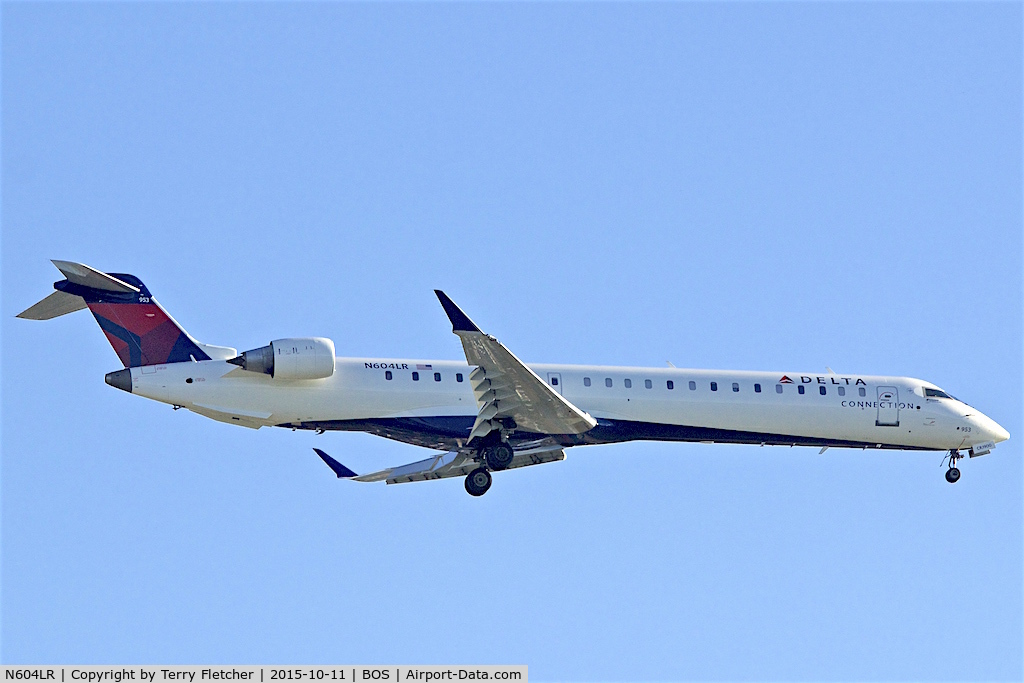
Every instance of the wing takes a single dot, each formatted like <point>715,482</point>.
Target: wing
<point>506,388</point>
<point>443,465</point>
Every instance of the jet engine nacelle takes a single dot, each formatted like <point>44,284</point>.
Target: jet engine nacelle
<point>299,358</point>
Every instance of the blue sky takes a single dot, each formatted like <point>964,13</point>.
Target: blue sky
<point>755,186</point>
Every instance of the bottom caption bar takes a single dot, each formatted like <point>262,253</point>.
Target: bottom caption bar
<point>349,673</point>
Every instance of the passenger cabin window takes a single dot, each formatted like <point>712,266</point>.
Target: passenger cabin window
<point>628,383</point>
<point>842,391</point>
<point>735,386</point>
<point>387,374</point>
<point>757,388</point>
<point>778,388</point>
<point>607,381</point>
<point>586,381</point>
<point>648,384</point>
<point>860,391</point>
<point>714,386</point>
<point>935,393</point>
<point>821,390</point>
<point>670,384</point>
<point>554,381</point>
<point>693,385</point>
<point>458,376</point>
<point>415,377</point>
<point>437,376</point>
<point>800,389</point>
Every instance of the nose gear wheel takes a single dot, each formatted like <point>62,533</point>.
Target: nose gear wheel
<point>952,474</point>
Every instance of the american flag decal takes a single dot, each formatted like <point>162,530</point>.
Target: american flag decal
<point>424,367</point>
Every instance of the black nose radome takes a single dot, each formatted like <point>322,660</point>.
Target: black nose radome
<point>122,379</point>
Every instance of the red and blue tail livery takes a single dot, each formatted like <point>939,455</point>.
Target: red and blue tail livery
<point>139,329</point>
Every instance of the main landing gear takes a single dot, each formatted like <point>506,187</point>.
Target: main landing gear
<point>953,474</point>
<point>496,457</point>
<point>478,481</point>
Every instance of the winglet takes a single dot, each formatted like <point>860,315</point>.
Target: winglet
<point>460,321</point>
<point>339,469</point>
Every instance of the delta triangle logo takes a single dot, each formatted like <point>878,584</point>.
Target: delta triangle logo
<point>785,380</point>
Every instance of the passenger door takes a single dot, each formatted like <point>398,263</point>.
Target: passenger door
<point>888,407</point>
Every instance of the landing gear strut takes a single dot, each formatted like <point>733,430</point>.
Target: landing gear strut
<point>478,481</point>
<point>953,474</point>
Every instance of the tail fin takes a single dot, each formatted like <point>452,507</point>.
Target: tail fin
<point>139,329</point>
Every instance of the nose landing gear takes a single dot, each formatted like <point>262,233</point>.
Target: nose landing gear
<point>953,474</point>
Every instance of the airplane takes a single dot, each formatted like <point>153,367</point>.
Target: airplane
<point>493,412</point>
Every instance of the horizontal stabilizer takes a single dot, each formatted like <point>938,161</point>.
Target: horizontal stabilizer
<point>138,328</point>
<point>54,306</point>
<point>339,469</point>
<point>81,274</point>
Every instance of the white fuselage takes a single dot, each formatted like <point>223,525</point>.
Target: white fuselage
<point>629,403</point>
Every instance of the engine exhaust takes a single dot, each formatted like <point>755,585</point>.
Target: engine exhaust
<point>256,360</point>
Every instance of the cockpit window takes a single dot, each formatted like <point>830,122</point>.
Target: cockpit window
<point>935,393</point>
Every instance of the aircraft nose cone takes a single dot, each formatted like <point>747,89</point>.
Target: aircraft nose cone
<point>998,433</point>
<point>990,429</point>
